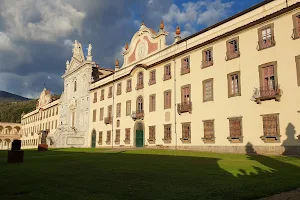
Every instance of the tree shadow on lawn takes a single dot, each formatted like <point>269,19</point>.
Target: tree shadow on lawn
<point>128,175</point>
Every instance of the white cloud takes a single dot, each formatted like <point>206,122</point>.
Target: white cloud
<point>41,20</point>
<point>68,44</point>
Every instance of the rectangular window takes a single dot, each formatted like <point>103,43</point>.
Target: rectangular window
<point>94,115</point>
<point>128,107</point>
<point>235,129</point>
<point>271,127</point>
<point>266,37</point>
<point>127,136</point>
<point>100,137</point>
<point>52,125</point>
<point>52,113</point>
<point>118,109</point>
<point>95,97</point>
<point>234,84</point>
<point>109,92</point>
<point>167,99</point>
<point>167,133</point>
<point>296,30</point>
<point>151,133</point>
<point>56,124</point>
<point>208,90</point>
<point>186,94</point>
<point>167,72</point>
<point>119,88</point>
<point>152,78</point>
<point>207,57</point>
<point>101,114</point>
<point>56,110</point>
<point>102,95</point>
<point>117,140</point>
<point>232,49</point>
<point>108,137</point>
<point>297,59</point>
<point>109,111</point>
<point>152,103</point>
<point>186,131</point>
<point>129,86</point>
<point>209,131</point>
<point>185,65</point>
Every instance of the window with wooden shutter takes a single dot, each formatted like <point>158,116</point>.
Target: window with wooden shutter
<point>186,132</point>
<point>100,137</point>
<point>94,115</point>
<point>127,136</point>
<point>296,30</point>
<point>207,57</point>
<point>271,128</point>
<point>95,97</point>
<point>101,114</point>
<point>129,86</point>
<point>167,72</point>
<point>167,99</point>
<point>152,103</point>
<point>207,90</point>
<point>232,48</point>
<point>234,85</point>
<point>235,130</point>
<point>128,107</point>
<point>119,88</point>
<point>209,131</point>
<point>117,139</point>
<point>140,81</point>
<point>151,139</point>
<point>109,92</point>
<point>108,137</point>
<point>102,95</point>
<point>119,110</point>
<point>185,65</point>
<point>109,111</point>
<point>152,79</point>
<point>266,37</point>
<point>167,133</point>
<point>297,59</point>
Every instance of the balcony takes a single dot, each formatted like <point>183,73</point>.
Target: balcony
<point>296,33</point>
<point>184,107</point>
<point>108,120</point>
<point>266,93</point>
<point>167,77</point>
<point>139,86</point>
<point>232,54</point>
<point>137,115</point>
<point>152,81</point>
<point>185,70</point>
<point>267,43</point>
<point>207,63</point>
<point>128,89</point>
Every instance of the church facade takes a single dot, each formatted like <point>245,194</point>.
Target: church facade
<point>233,87</point>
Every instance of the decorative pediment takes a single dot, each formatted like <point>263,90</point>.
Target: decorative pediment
<point>45,98</point>
<point>78,56</point>
<point>144,43</point>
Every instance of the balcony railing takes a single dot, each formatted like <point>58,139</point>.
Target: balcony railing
<point>184,107</point>
<point>207,63</point>
<point>137,115</point>
<point>139,86</point>
<point>269,42</point>
<point>232,54</point>
<point>296,33</point>
<point>185,70</point>
<point>267,93</point>
<point>167,77</point>
<point>108,120</point>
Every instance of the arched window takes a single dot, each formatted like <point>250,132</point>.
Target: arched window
<point>75,86</point>
<point>140,78</point>
<point>139,104</point>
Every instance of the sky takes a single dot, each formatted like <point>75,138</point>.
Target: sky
<point>36,36</point>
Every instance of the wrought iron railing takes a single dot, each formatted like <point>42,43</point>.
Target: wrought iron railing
<point>137,115</point>
<point>267,93</point>
<point>184,107</point>
<point>108,120</point>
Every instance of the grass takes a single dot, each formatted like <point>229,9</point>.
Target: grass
<point>145,174</point>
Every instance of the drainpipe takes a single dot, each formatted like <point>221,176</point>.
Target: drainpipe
<point>175,119</point>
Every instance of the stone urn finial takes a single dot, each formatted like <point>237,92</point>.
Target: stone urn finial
<point>177,30</point>
<point>162,25</point>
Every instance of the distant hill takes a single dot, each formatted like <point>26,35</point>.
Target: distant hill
<point>6,96</point>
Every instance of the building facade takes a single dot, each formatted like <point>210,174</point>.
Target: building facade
<point>232,87</point>
<point>8,133</point>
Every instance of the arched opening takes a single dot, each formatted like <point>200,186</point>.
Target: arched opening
<point>93,144</point>
<point>139,134</point>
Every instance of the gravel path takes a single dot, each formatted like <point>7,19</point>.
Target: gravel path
<point>291,195</point>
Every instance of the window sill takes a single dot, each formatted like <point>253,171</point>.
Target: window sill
<point>271,139</point>
<point>128,90</point>
<point>208,140</point>
<point>151,141</point>
<point>234,95</point>
<point>207,64</point>
<point>151,83</point>
<point>167,141</point>
<point>232,55</point>
<point>186,140</point>
<point>127,141</point>
<point>260,48</point>
<point>207,100</point>
<point>235,139</point>
<point>167,77</point>
<point>117,142</point>
<point>107,142</point>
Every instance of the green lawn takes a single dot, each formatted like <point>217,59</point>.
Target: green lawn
<point>145,174</point>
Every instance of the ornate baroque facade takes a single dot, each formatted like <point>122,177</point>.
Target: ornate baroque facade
<point>233,87</point>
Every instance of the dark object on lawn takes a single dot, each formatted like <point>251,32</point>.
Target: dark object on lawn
<point>15,155</point>
<point>42,147</point>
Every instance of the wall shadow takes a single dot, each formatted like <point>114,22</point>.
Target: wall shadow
<point>291,144</point>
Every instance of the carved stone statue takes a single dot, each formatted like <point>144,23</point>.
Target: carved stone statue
<point>89,50</point>
<point>67,64</point>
